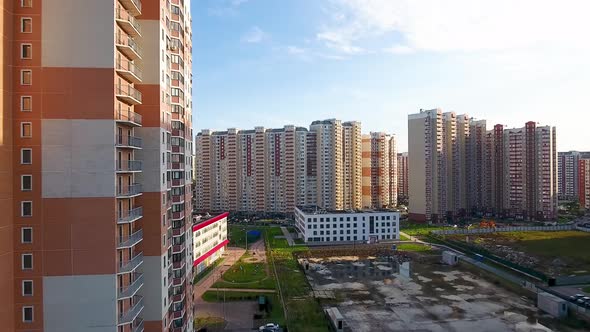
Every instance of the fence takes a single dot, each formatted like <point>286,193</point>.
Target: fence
<point>506,229</point>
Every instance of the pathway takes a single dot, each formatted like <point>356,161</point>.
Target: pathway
<point>288,236</point>
<point>232,256</point>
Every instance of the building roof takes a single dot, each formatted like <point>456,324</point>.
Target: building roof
<point>314,209</point>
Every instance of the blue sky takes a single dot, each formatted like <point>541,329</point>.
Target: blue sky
<point>275,62</point>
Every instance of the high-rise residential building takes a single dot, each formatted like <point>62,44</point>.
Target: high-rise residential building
<point>351,165</point>
<point>402,176</point>
<point>584,183</point>
<point>95,166</point>
<point>288,167</point>
<point>329,186</point>
<point>379,171</point>
<point>459,168</point>
<point>568,173</point>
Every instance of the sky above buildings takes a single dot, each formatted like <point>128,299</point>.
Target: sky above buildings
<point>275,62</point>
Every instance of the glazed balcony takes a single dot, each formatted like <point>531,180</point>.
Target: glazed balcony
<point>130,240</point>
<point>128,23</point>
<point>128,94</point>
<point>178,248</point>
<point>133,6</point>
<point>130,191</point>
<point>128,46</point>
<point>128,117</point>
<point>131,142</point>
<point>128,166</point>
<point>137,325</point>
<point>131,289</point>
<point>179,265</point>
<point>178,297</point>
<point>178,231</point>
<point>177,182</point>
<point>130,215</point>
<point>129,70</point>
<point>131,264</point>
<point>131,314</point>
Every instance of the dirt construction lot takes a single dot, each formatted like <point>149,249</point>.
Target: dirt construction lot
<point>375,296</point>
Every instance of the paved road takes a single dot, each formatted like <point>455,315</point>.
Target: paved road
<point>232,256</point>
<point>288,236</point>
<point>238,315</point>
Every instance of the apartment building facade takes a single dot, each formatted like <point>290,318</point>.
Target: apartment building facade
<point>379,171</point>
<point>584,183</point>
<point>402,176</point>
<point>275,170</point>
<point>568,173</point>
<point>93,131</point>
<point>502,172</point>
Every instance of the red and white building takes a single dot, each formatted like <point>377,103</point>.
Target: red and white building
<point>209,240</point>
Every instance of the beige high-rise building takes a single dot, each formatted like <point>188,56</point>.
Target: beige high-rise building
<point>351,165</point>
<point>508,172</point>
<point>95,165</point>
<point>330,193</point>
<point>379,160</point>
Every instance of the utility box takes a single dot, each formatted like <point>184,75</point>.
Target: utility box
<point>450,258</point>
<point>552,304</point>
<point>335,318</point>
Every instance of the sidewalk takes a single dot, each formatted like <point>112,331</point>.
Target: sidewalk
<point>288,236</point>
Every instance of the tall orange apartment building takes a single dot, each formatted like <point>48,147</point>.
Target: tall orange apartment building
<point>95,165</point>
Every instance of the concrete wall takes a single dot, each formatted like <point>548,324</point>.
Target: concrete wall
<point>416,176</point>
<point>79,303</point>
<point>153,290</point>
<point>150,61</point>
<point>86,40</point>
<point>78,158</point>
<point>151,155</point>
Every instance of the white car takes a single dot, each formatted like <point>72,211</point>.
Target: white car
<point>269,327</point>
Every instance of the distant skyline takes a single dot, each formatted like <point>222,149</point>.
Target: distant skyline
<point>271,63</point>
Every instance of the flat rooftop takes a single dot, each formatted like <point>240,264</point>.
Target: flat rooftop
<point>314,209</point>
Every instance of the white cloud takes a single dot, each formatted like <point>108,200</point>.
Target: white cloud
<point>399,49</point>
<point>458,25</point>
<point>226,8</point>
<point>295,50</point>
<point>254,35</point>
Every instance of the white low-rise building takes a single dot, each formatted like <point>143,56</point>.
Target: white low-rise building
<point>319,225</point>
<point>209,240</point>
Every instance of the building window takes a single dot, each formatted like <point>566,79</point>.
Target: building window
<point>26,209</point>
<point>26,51</point>
<point>26,182</point>
<point>26,3</point>
<point>26,156</point>
<point>26,235</point>
<point>28,314</point>
<point>26,129</point>
<point>27,288</point>
<point>27,261</point>
<point>26,103</point>
<point>26,25</point>
<point>26,77</point>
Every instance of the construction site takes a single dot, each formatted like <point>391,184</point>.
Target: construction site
<point>380,289</point>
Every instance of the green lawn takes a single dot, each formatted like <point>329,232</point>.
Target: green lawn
<point>404,238</point>
<point>210,323</point>
<point>415,229</point>
<point>413,247</point>
<point>208,270</point>
<point>237,235</point>
<point>244,274</point>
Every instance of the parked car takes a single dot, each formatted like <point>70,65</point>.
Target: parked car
<point>270,327</point>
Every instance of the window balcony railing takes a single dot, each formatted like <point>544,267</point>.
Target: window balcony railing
<point>130,240</point>
<point>128,46</point>
<point>129,316</point>
<point>129,141</point>
<point>130,215</point>
<point>128,22</point>
<point>130,191</point>
<point>131,289</point>
<point>128,94</point>
<point>129,70</point>
<point>129,117</point>
<point>133,6</point>
<point>129,166</point>
<point>137,325</point>
<point>131,264</point>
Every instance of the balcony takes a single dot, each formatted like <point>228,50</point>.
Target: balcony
<point>127,94</point>
<point>178,231</point>
<point>128,46</point>
<point>179,265</point>
<point>130,290</point>
<point>133,6</point>
<point>178,248</point>
<point>129,70</point>
<point>177,215</point>
<point>128,166</point>
<point>137,325</point>
<point>178,297</point>
<point>178,198</point>
<point>130,191</point>
<point>130,240</point>
<point>131,142</point>
<point>128,23</point>
<point>177,182</point>
<point>179,313</point>
<point>130,215</point>
<point>128,117</point>
<point>129,316</point>
<point>178,281</point>
<point>130,265</point>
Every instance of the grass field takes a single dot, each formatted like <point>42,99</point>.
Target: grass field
<point>413,247</point>
<point>276,313</point>
<point>415,229</point>
<point>244,274</point>
<point>571,247</point>
<point>586,289</point>
<point>237,235</point>
<point>210,323</point>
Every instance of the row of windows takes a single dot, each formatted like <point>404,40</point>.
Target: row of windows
<point>348,238</point>
<point>353,218</point>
